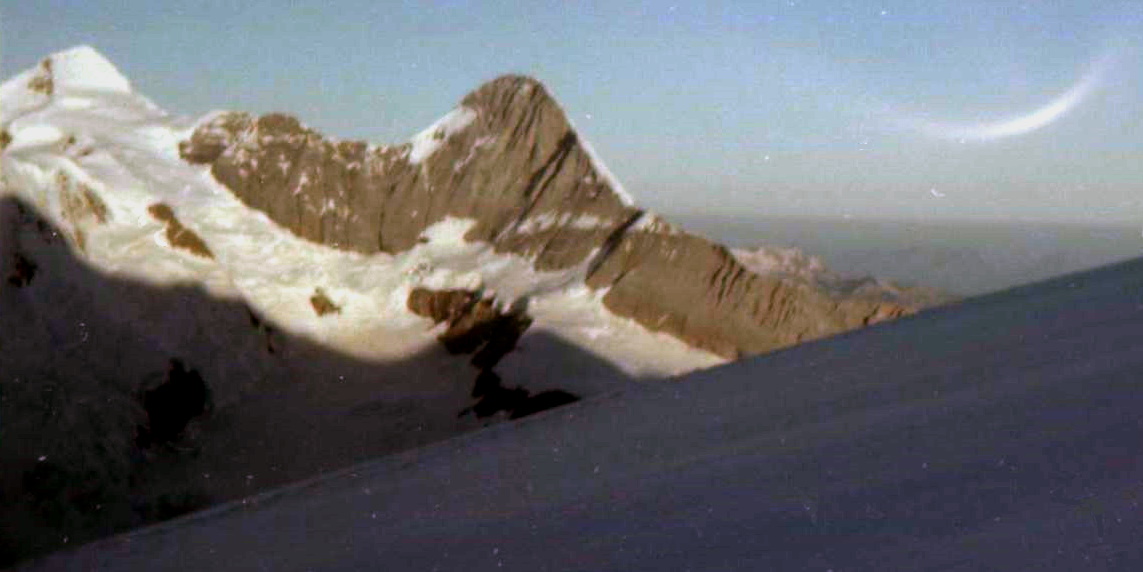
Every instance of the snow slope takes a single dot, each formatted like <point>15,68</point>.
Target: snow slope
<point>997,434</point>
<point>77,129</point>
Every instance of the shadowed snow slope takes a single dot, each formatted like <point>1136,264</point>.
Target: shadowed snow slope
<point>1001,433</point>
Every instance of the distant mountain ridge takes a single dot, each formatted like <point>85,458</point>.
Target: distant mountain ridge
<point>508,159</point>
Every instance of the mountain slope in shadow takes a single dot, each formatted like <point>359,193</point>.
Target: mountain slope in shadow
<point>100,430</point>
<point>1001,433</point>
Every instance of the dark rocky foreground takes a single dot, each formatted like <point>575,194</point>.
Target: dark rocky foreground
<point>1002,433</point>
<point>518,169</point>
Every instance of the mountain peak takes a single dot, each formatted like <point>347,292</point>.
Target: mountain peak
<point>508,86</point>
<point>515,99</point>
<point>77,71</point>
<point>82,68</point>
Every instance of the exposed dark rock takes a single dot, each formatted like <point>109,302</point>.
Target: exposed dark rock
<point>487,382</point>
<point>43,81</point>
<point>178,235</point>
<point>494,397</point>
<point>5,139</point>
<point>80,201</point>
<point>440,305</point>
<point>474,324</point>
<point>208,142</point>
<point>484,326</point>
<point>181,397</point>
<point>542,402</point>
<point>477,326</point>
<point>516,402</point>
<point>22,272</point>
<point>322,305</point>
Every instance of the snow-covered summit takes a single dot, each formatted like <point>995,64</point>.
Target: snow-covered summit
<point>82,69</point>
<point>74,72</point>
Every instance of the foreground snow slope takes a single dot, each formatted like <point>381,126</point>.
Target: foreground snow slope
<point>1001,433</point>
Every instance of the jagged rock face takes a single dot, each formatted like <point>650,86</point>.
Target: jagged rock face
<point>508,158</point>
<point>695,290</point>
<point>475,324</point>
<point>440,305</point>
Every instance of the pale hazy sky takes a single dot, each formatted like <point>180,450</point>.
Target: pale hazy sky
<point>894,108</point>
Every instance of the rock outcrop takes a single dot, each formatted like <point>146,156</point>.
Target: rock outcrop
<point>178,235</point>
<point>508,158</point>
<point>181,397</point>
<point>476,325</point>
<point>694,289</point>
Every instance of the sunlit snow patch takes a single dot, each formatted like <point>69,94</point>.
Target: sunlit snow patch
<point>548,220</point>
<point>37,135</point>
<point>428,141</point>
<point>84,69</point>
<point>578,316</point>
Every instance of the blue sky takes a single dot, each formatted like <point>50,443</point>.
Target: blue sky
<point>830,108</point>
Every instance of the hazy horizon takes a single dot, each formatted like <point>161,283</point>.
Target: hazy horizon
<point>679,215</point>
<point>963,258</point>
<point>949,109</point>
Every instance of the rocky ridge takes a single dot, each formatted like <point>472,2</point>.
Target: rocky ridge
<point>508,158</point>
<point>316,302</point>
